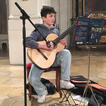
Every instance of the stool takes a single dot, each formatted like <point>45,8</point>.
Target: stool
<point>66,95</point>
<point>57,80</point>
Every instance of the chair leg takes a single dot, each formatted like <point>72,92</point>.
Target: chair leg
<point>29,85</point>
<point>58,77</point>
<point>30,90</point>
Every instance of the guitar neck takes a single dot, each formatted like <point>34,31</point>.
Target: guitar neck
<point>56,41</point>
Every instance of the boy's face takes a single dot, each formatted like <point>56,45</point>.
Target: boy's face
<point>49,19</point>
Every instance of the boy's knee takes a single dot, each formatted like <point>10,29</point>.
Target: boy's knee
<point>34,81</point>
<point>67,52</point>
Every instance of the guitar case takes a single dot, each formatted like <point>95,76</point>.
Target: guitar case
<point>80,83</point>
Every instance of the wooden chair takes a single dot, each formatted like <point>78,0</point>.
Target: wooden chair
<point>57,80</point>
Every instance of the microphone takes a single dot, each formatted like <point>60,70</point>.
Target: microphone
<point>18,6</point>
<point>22,11</point>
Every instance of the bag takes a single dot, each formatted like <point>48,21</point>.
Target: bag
<point>92,101</point>
<point>80,82</point>
<point>50,86</point>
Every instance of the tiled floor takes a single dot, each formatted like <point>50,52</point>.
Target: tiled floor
<point>12,76</point>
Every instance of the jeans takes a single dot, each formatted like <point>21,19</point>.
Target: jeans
<point>63,58</point>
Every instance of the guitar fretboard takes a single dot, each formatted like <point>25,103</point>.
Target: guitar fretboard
<point>64,34</point>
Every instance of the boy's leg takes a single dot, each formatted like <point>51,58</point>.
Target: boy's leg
<point>63,59</point>
<point>35,80</point>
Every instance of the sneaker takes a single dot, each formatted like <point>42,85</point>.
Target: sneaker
<point>42,98</point>
<point>66,84</point>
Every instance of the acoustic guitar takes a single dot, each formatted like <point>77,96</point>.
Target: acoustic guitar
<point>43,58</point>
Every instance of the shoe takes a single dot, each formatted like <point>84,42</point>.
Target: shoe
<point>42,98</point>
<point>66,84</point>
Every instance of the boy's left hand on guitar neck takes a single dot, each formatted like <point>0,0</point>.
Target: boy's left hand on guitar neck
<point>64,42</point>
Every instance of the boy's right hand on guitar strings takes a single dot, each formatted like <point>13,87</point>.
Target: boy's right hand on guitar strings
<point>44,46</point>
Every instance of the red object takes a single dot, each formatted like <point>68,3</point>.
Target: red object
<point>79,23</point>
<point>76,38</point>
<point>28,65</point>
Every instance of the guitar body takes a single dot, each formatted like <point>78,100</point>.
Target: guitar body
<point>37,57</point>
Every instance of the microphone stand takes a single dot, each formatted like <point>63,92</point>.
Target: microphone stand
<point>24,17</point>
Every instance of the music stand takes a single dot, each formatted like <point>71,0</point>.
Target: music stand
<point>88,86</point>
<point>90,38</point>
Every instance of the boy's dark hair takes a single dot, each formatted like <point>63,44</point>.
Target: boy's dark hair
<point>47,10</point>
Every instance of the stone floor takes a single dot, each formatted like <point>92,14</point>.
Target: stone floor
<point>12,76</point>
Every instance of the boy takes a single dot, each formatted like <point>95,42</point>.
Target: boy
<point>63,58</point>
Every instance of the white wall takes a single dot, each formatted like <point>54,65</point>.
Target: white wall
<point>15,27</point>
<point>65,16</point>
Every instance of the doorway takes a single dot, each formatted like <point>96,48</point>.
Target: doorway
<point>3,28</point>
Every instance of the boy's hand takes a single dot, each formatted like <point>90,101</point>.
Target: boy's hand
<point>64,42</point>
<point>40,46</point>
